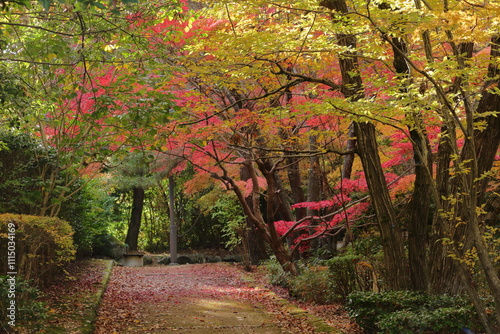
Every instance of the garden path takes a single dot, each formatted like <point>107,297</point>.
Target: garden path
<point>202,298</point>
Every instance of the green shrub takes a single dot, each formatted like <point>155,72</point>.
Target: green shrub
<point>90,211</point>
<point>29,308</point>
<point>275,273</point>
<point>409,312</point>
<point>323,284</point>
<point>441,320</point>
<point>228,211</point>
<point>344,276</point>
<point>42,245</point>
<point>21,159</point>
<point>32,183</point>
<point>312,285</point>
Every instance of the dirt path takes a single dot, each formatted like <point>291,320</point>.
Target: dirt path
<point>205,298</point>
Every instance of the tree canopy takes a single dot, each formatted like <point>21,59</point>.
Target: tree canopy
<point>319,117</point>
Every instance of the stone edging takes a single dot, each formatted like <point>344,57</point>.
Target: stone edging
<point>97,298</point>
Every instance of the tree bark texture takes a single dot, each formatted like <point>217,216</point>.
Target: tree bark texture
<point>390,231</point>
<point>418,224</point>
<point>352,88</point>
<point>135,218</point>
<point>252,209</point>
<point>254,238</point>
<point>348,160</point>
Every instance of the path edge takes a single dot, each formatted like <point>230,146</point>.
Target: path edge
<point>98,296</point>
<point>319,325</point>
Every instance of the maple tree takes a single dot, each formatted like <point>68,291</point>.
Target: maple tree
<point>370,63</point>
<point>71,64</point>
<point>311,113</point>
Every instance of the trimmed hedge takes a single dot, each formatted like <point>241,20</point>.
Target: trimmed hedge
<point>41,245</point>
<point>406,312</point>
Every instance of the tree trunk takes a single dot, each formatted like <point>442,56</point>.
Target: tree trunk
<point>254,238</point>
<point>481,151</point>
<point>251,208</point>
<point>420,213</point>
<point>367,148</point>
<point>443,276</point>
<point>135,218</point>
<point>390,231</point>
<point>173,220</point>
<point>314,177</point>
<point>468,189</point>
<point>349,158</point>
<point>418,224</point>
<point>314,192</point>
<point>295,180</point>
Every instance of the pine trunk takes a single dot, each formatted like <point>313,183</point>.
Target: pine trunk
<point>135,219</point>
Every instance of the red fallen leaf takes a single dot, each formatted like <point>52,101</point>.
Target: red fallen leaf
<point>129,288</point>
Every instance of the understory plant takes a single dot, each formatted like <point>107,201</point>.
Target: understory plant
<point>407,312</point>
<point>313,284</point>
<point>28,305</point>
<point>42,245</point>
<point>275,273</point>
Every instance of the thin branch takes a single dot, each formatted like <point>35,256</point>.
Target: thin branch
<point>301,77</point>
<point>290,84</point>
<point>295,153</point>
<point>230,19</point>
<point>339,211</point>
<point>55,31</point>
<point>305,40</point>
<point>37,62</point>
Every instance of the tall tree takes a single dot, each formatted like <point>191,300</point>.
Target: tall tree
<point>393,65</point>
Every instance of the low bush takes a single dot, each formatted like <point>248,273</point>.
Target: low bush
<point>41,245</point>
<point>409,312</point>
<point>275,273</point>
<point>325,281</point>
<point>28,307</point>
<point>314,284</point>
<point>344,276</point>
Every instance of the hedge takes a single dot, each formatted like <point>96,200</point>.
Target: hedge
<point>41,246</point>
<point>405,312</point>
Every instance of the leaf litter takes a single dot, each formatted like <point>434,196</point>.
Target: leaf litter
<point>196,298</point>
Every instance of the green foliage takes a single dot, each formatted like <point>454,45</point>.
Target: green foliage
<point>155,226</point>
<point>344,276</point>
<point>108,245</point>
<point>13,99</point>
<point>22,160</point>
<point>134,170</point>
<point>409,312</point>
<point>46,4</point>
<point>367,244</point>
<point>313,284</point>
<point>275,273</point>
<point>197,228</point>
<point>199,225</point>
<point>42,245</point>
<point>324,282</point>
<point>29,307</point>
<point>28,171</point>
<point>91,212</point>
<point>231,218</point>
